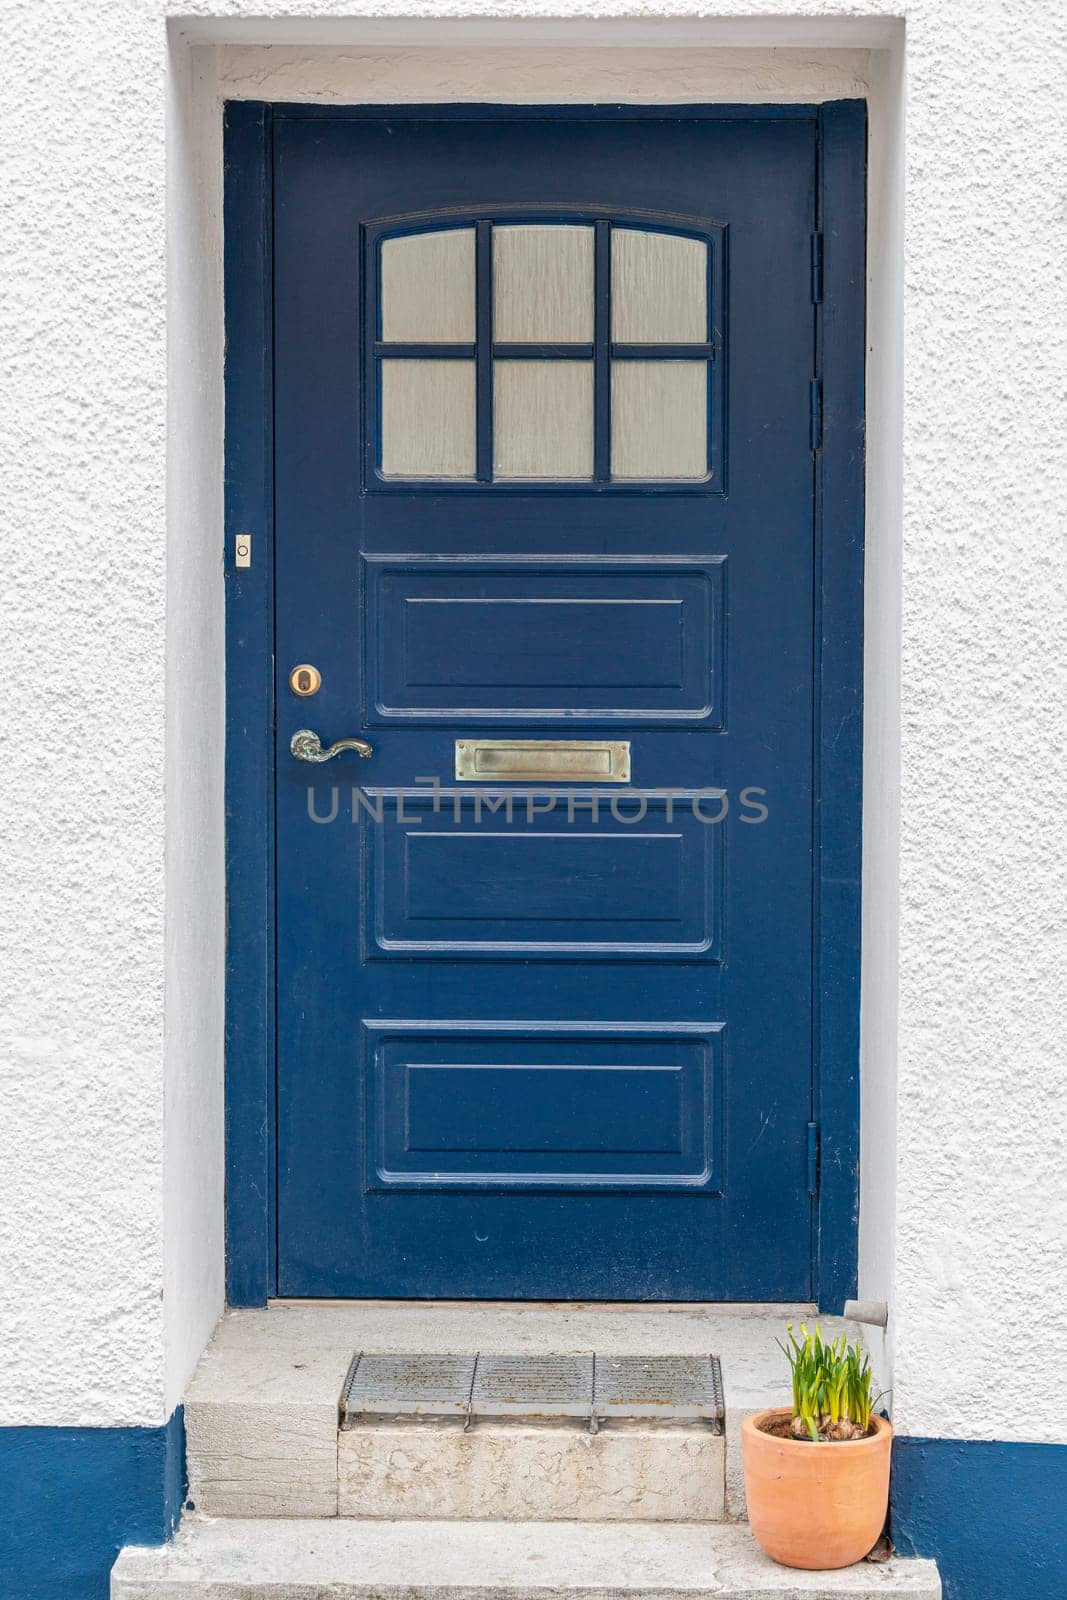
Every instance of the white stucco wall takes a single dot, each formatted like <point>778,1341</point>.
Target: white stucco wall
<point>111,1140</point>
<point>83,422</point>
<point>193,1144</point>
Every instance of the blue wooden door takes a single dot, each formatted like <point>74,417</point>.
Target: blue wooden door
<point>544,522</point>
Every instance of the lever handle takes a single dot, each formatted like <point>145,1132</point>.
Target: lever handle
<point>307,746</point>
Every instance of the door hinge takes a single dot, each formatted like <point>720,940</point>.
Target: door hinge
<point>816,413</point>
<point>816,268</point>
<point>813,1158</point>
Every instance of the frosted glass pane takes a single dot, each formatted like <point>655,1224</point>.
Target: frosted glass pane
<point>543,284</point>
<point>659,288</point>
<point>428,428</point>
<point>428,287</point>
<point>659,419</point>
<point>543,419</point>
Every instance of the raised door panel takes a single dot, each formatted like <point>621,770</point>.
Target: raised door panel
<point>566,1108</point>
<point>544,641</point>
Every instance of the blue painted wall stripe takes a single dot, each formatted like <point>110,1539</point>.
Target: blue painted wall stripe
<point>992,1515</point>
<point>74,1496</point>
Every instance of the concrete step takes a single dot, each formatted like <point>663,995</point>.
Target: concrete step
<point>544,1472</point>
<point>351,1560</point>
<point>263,1434</point>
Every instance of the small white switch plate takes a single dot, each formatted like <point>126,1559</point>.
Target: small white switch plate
<point>242,550</point>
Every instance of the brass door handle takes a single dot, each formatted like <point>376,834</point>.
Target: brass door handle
<point>307,746</point>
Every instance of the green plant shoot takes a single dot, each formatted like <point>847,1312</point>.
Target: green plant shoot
<point>831,1385</point>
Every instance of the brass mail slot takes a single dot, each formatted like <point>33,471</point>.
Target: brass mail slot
<point>543,760</point>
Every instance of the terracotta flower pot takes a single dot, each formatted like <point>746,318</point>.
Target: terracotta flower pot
<point>815,1505</point>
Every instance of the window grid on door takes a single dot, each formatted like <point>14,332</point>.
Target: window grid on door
<point>620,405</point>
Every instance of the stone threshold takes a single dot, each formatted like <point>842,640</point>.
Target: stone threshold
<point>263,1434</point>
<point>350,1560</point>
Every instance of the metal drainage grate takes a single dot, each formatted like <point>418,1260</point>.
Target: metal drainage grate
<point>417,1385</point>
<point>532,1386</point>
<point>587,1388</point>
<point>675,1387</point>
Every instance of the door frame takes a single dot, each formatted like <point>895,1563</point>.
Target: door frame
<point>839,295</point>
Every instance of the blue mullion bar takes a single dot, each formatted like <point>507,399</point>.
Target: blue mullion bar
<point>424,352</point>
<point>484,348</point>
<point>501,352</point>
<point>543,352</point>
<point>663,352</point>
<point>602,354</point>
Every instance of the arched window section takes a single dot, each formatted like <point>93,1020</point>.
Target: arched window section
<point>531,350</point>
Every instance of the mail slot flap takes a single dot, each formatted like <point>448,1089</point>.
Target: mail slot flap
<point>543,760</point>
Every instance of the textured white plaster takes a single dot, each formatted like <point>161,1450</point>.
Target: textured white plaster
<point>532,74</point>
<point>81,761</point>
<point>110,1162</point>
<point>100,1205</point>
<point>981,1170</point>
<point>193,1289</point>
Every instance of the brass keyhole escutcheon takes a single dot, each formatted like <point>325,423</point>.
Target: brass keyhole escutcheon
<point>305,680</point>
